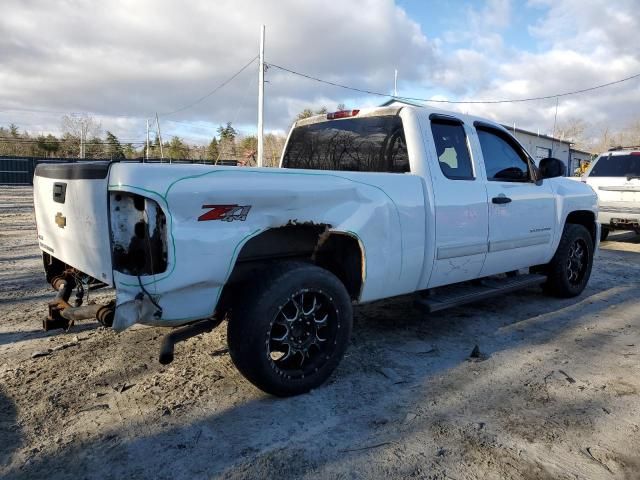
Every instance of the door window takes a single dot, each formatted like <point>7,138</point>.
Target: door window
<point>452,149</point>
<point>504,160</point>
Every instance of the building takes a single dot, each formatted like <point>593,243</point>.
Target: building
<point>544,146</point>
<point>579,158</point>
<point>538,145</point>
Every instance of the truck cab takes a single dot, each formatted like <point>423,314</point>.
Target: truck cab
<point>488,208</point>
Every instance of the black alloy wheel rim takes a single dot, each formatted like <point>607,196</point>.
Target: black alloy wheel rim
<point>303,333</point>
<point>577,262</point>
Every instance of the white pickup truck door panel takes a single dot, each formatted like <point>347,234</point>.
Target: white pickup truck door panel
<point>520,232</point>
<point>460,199</point>
<point>522,219</point>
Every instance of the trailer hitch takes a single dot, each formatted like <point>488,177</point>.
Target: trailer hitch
<point>183,333</point>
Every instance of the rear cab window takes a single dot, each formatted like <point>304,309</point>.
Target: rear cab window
<point>365,144</point>
<point>617,166</point>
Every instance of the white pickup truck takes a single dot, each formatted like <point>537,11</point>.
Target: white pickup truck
<point>615,176</point>
<point>367,204</point>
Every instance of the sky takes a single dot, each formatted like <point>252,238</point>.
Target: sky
<point>124,61</point>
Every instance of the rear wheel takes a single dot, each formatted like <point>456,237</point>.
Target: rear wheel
<point>293,331</point>
<point>570,269</point>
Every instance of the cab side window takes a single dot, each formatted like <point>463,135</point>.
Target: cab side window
<point>504,161</point>
<point>452,149</point>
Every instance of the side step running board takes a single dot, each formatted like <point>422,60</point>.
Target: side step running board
<point>460,294</point>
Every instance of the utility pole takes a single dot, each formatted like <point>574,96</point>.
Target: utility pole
<point>83,138</point>
<point>395,84</point>
<point>160,139</point>
<point>261,99</point>
<point>147,150</point>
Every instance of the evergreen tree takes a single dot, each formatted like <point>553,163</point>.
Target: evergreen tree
<point>177,149</point>
<point>129,151</point>
<point>227,132</point>
<point>227,144</point>
<point>94,148</point>
<point>48,145</point>
<point>112,148</point>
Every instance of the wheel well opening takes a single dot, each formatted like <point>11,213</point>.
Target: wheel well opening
<point>337,252</point>
<point>341,254</point>
<point>585,218</point>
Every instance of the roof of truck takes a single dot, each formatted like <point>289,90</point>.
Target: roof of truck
<point>389,108</point>
<point>401,101</point>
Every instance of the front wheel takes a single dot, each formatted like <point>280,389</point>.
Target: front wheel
<point>291,330</point>
<point>604,233</point>
<point>570,268</point>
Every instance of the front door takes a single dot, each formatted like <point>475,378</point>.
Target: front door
<point>521,209</point>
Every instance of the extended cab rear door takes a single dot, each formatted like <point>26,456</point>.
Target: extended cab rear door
<point>460,201</point>
<point>522,219</point>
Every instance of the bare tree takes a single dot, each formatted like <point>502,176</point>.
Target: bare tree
<point>274,144</point>
<point>574,130</point>
<point>81,127</point>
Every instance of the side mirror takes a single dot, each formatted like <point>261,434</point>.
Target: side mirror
<point>551,167</point>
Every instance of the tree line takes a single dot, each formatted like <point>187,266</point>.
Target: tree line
<point>82,137</point>
<point>591,138</point>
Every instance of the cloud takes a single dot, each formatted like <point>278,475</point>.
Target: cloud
<point>136,58</point>
<point>574,45</point>
<point>494,14</point>
<point>596,27</point>
<point>132,59</point>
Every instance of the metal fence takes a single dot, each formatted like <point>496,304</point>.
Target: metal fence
<point>19,170</point>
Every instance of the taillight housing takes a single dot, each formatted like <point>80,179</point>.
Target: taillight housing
<point>138,234</point>
<point>342,114</point>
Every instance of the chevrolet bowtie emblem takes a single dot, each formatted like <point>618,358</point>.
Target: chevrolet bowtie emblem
<point>61,220</point>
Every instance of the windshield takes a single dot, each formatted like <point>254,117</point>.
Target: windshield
<point>617,166</point>
<point>368,144</point>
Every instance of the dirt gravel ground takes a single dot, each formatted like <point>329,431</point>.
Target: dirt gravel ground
<point>554,396</point>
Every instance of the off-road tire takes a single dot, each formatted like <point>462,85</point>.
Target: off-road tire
<point>559,269</point>
<point>604,233</point>
<point>250,326</point>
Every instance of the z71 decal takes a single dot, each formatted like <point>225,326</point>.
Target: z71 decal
<point>226,213</point>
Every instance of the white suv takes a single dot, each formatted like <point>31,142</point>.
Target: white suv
<point>615,176</point>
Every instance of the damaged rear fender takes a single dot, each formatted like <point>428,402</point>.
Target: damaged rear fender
<point>381,212</point>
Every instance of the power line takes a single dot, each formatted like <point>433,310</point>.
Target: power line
<point>212,91</point>
<point>515,100</point>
